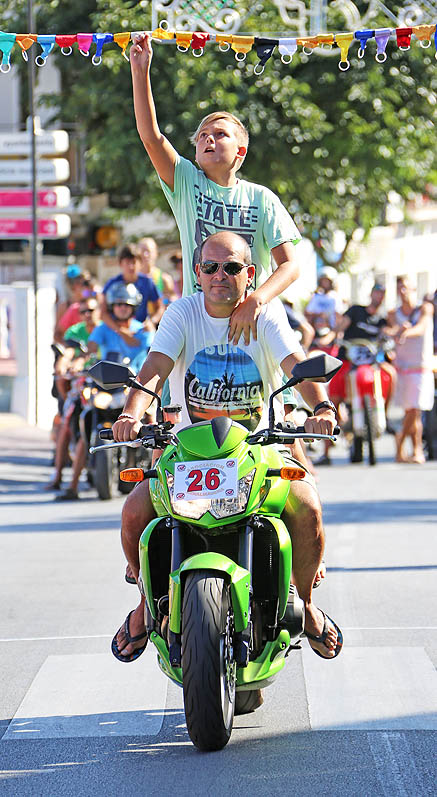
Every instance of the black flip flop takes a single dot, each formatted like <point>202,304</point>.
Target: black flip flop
<point>322,637</point>
<point>130,579</point>
<point>137,652</point>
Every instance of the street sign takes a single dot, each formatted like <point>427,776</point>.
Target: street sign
<point>51,142</point>
<point>13,172</point>
<point>52,198</point>
<point>59,226</point>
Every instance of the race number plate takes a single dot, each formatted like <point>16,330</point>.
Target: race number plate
<point>216,478</point>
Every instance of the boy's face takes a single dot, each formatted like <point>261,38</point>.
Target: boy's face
<point>130,268</point>
<point>219,144</point>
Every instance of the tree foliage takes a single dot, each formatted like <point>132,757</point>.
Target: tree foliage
<point>332,144</point>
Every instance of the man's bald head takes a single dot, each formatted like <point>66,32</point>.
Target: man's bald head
<point>227,238</point>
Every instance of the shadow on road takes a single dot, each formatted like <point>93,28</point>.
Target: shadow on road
<point>353,762</point>
<point>359,511</point>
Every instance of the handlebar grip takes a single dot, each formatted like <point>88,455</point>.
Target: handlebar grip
<point>301,429</point>
<point>106,434</point>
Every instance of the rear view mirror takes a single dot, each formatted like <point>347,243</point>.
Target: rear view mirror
<point>317,369</point>
<point>111,375</point>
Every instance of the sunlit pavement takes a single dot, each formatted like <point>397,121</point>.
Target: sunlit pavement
<point>75,721</point>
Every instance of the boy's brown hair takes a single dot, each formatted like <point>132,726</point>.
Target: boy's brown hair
<point>128,252</point>
<point>243,133</point>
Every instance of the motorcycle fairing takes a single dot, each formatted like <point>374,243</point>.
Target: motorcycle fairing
<point>271,660</point>
<point>145,566</point>
<point>212,439</point>
<point>266,496</point>
<point>257,674</point>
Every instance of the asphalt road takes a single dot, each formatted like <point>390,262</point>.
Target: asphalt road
<point>76,722</point>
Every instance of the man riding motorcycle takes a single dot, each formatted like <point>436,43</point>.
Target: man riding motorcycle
<point>211,376</point>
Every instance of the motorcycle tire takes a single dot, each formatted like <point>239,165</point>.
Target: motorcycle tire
<point>248,701</point>
<point>208,672</point>
<point>427,436</point>
<point>106,473</point>
<point>126,460</point>
<point>370,431</point>
<point>356,451</point>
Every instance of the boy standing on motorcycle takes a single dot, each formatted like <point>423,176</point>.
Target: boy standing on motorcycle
<point>212,198</point>
<point>209,376</point>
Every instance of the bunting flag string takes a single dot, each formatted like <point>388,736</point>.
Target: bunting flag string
<point>196,41</point>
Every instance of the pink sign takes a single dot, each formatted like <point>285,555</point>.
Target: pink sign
<point>23,199</point>
<point>22,228</point>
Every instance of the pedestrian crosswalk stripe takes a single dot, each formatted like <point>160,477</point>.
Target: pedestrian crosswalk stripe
<point>372,688</point>
<point>92,695</point>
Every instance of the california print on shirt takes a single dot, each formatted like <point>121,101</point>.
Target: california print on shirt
<point>224,380</point>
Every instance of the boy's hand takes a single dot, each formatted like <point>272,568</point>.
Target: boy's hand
<point>243,320</point>
<point>141,52</point>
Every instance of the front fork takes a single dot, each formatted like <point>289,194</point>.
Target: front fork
<point>242,639</point>
<point>358,419</point>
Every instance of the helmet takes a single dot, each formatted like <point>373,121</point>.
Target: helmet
<point>328,272</point>
<point>123,293</point>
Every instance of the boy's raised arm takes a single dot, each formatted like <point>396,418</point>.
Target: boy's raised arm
<point>160,151</point>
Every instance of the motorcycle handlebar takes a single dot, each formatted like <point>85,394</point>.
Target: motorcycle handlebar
<point>301,430</point>
<point>106,434</point>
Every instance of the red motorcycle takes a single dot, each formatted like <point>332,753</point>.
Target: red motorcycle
<point>363,384</point>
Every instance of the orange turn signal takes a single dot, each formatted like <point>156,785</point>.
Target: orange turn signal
<point>132,475</point>
<point>292,474</point>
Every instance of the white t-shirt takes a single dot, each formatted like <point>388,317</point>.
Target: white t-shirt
<point>202,207</point>
<point>212,376</point>
<point>327,303</point>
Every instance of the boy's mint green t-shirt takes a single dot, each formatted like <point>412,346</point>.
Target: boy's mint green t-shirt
<point>202,207</point>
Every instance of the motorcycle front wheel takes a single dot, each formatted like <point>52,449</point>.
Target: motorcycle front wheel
<point>208,668</point>
<point>370,430</point>
<point>106,473</point>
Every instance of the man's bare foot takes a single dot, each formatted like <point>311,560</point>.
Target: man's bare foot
<point>314,624</point>
<point>400,456</point>
<point>417,459</point>
<point>129,575</point>
<point>136,627</point>
<point>320,575</point>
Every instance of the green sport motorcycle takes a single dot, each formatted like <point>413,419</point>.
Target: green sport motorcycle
<point>216,562</point>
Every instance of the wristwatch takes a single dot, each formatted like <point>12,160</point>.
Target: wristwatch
<point>328,405</point>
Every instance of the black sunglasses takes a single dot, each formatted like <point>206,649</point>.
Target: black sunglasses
<point>87,310</point>
<point>231,267</point>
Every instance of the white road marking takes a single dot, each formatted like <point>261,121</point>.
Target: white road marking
<point>377,688</point>
<point>92,695</point>
<point>397,773</point>
<point>109,636</point>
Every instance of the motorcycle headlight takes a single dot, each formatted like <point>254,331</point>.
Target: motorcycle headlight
<point>102,400</point>
<point>218,507</point>
<point>225,507</point>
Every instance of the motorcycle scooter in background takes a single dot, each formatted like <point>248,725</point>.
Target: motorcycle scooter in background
<point>216,561</point>
<point>100,412</point>
<point>363,385</point>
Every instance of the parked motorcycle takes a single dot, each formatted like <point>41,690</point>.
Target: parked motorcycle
<point>100,412</point>
<point>364,387</point>
<point>216,562</point>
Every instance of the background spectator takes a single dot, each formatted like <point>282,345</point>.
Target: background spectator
<point>414,355</point>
